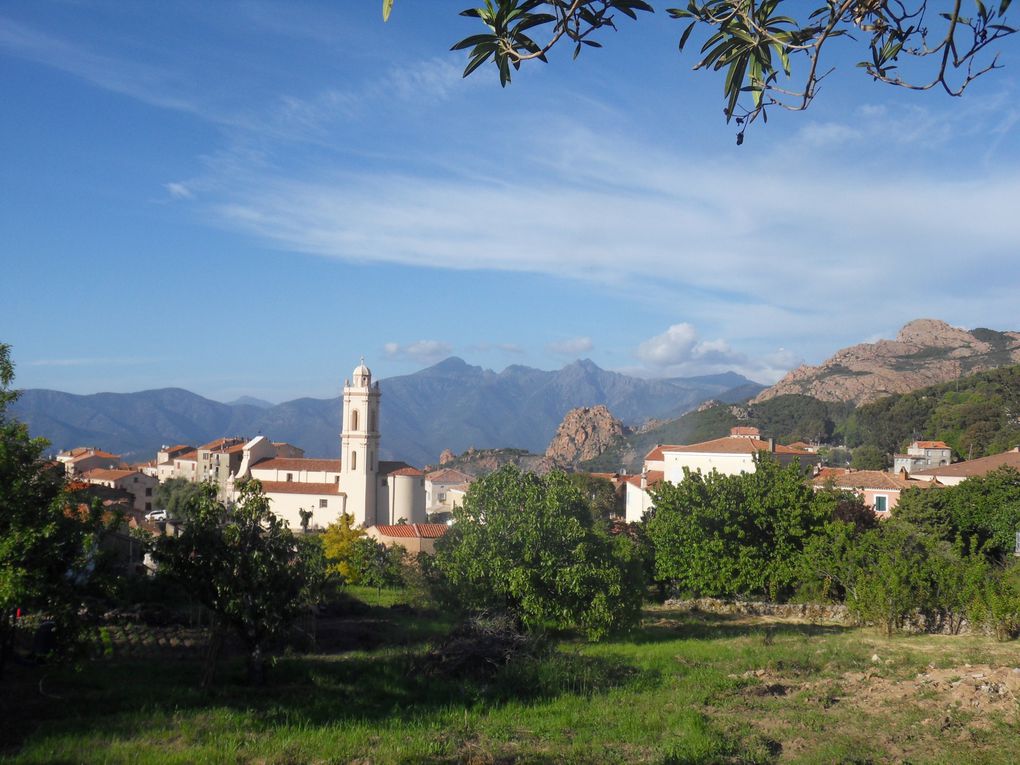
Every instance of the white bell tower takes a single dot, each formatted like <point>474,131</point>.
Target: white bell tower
<point>359,445</point>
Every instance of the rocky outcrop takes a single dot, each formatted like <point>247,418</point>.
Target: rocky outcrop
<point>584,434</point>
<point>479,462</point>
<point>925,352</point>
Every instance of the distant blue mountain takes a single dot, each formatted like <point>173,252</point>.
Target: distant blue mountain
<point>449,405</point>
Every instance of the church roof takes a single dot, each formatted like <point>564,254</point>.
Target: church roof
<point>297,487</point>
<point>297,463</point>
<point>397,468</point>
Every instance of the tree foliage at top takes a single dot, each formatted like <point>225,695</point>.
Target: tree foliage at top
<point>769,53</point>
<point>528,545</point>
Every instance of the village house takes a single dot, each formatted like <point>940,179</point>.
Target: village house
<point>444,488</point>
<point>950,475</point>
<point>921,455</point>
<point>413,537</point>
<point>85,458</point>
<point>878,489</point>
<point>731,455</point>
<point>134,482</point>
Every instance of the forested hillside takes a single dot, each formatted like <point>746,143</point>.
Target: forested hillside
<point>976,416</point>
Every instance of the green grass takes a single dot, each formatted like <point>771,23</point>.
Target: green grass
<point>673,692</point>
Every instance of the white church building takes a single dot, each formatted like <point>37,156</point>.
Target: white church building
<point>375,492</point>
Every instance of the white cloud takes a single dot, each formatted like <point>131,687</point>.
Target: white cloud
<point>571,346</point>
<point>674,346</point>
<point>423,351</point>
<point>178,190</point>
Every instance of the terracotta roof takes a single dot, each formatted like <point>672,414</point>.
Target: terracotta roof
<point>397,468</point>
<point>296,487</point>
<point>653,477</point>
<point>744,430</point>
<point>221,444</point>
<point>405,471</point>
<point>449,475</point>
<point>931,445</point>
<point>176,449</point>
<point>872,479</point>
<point>297,464</point>
<point>94,453</point>
<point>414,530</point>
<point>655,455</point>
<point>980,466</point>
<point>735,445</point>
<point>188,456</point>
<point>831,472</point>
<point>99,474</point>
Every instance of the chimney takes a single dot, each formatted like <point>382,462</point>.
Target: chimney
<point>772,445</point>
<point>644,479</point>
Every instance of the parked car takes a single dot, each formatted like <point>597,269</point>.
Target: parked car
<point>156,515</point>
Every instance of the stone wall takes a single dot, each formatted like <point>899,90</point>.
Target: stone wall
<point>819,613</point>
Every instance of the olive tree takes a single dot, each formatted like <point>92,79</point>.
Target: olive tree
<point>245,565</point>
<point>528,545</point>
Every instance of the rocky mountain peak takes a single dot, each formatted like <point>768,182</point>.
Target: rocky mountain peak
<point>584,434</point>
<point>925,352</point>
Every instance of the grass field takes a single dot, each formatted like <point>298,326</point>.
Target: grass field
<point>683,689</point>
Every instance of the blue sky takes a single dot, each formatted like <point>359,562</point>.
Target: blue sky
<point>245,197</point>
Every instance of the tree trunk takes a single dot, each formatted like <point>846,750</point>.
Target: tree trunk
<point>256,666</point>
<point>212,653</point>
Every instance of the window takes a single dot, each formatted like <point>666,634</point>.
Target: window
<point>148,491</point>
<point>354,460</point>
<point>881,503</point>
<point>148,506</point>
<point>290,476</point>
<point>442,497</point>
<point>323,503</point>
<point>354,420</point>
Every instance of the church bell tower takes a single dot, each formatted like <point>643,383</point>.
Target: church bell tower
<point>359,445</point>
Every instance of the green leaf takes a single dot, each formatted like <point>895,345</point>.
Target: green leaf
<point>387,6</point>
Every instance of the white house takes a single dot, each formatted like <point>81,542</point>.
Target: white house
<point>731,455</point>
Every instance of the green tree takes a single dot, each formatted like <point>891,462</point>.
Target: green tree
<point>245,565</point>
<point>176,495</point>
<point>725,535</point>
<point>527,544</point>
<point>982,512</point>
<point>375,565</point>
<point>47,540</point>
<point>869,458</point>
<point>771,50</point>
<point>603,499</point>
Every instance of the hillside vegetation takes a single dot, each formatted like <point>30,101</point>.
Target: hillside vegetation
<point>976,415</point>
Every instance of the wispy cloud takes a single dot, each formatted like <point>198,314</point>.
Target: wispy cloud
<point>142,82</point>
<point>422,351</point>
<point>571,346</point>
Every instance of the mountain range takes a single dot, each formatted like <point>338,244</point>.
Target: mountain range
<point>451,405</point>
